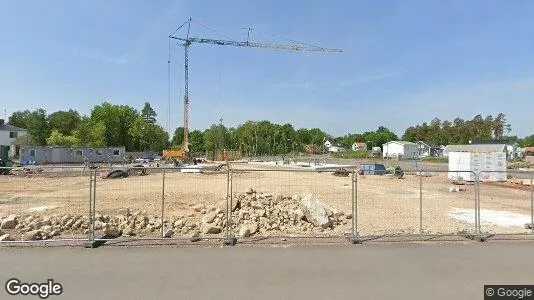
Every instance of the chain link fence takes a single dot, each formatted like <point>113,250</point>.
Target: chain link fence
<point>506,202</point>
<point>250,204</point>
<point>44,203</point>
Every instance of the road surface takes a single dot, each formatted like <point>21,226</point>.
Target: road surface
<point>372,271</point>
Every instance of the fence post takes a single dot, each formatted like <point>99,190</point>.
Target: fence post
<point>90,242</point>
<point>163,205</point>
<point>94,205</point>
<point>478,204</point>
<point>420,201</point>
<point>478,232</point>
<point>230,239</point>
<point>354,226</point>
<point>531,203</point>
<point>477,191</point>
<point>89,227</point>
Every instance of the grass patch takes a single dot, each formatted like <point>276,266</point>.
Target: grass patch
<point>352,154</point>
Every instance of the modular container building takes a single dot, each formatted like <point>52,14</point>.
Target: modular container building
<point>70,155</point>
<point>466,165</point>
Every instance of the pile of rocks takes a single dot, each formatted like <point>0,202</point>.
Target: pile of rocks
<point>252,213</point>
<point>34,227</point>
<point>268,215</point>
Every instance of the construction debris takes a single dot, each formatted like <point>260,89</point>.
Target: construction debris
<point>124,173</point>
<point>399,173</point>
<point>341,172</point>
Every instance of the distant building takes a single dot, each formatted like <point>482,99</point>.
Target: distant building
<point>489,166</point>
<point>427,149</point>
<point>529,151</point>
<point>511,147</point>
<point>478,147</point>
<point>358,146</point>
<point>333,146</point>
<point>520,152</point>
<point>72,155</point>
<point>474,148</point>
<point>400,149</point>
<point>8,134</point>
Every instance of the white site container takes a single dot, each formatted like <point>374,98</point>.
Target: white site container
<point>491,166</point>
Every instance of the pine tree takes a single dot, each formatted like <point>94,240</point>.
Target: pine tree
<point>148,113</point>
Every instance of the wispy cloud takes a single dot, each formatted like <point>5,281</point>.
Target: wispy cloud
<point>366,79</point>
<point>96,56</point>
<point>289,85</point>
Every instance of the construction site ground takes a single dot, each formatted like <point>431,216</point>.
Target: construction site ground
<point>385,205</point>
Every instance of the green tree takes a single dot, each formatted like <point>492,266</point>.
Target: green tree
<point>56,138</point>
<point>216,137</point>
<point>89,133</point>
<point>147,136</point>
<point>500,126</point>
<point>38,127</point>
<point>117,120</point>
<point>178,137</point>
<point>527,141</point>
<point>20,119</point>
<point>196,141</point>
<point>148,113</point>
<point>35,122</point>
<point>64,121</point>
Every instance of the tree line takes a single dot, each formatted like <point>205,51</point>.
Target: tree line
<point>107,125</point>
<point>461,131</point>
<point>121,125</point>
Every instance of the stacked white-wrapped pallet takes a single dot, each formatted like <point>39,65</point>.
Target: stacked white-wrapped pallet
<point>464,165</point>
<point>459,165</point>
<point>495,167</point>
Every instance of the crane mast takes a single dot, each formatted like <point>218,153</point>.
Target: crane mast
<point>187,41</point>
<point>185,145</point>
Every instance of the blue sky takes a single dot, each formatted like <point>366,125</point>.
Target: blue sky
<point>403,62</point>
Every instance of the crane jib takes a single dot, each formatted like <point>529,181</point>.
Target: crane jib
<point>188,41</point>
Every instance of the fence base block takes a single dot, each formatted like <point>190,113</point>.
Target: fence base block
<point>480,238</point>
<point>355,240</point>
<point>91,244</point>
<point>230,241</point>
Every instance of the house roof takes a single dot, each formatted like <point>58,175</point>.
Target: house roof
<point>492,142</point>
<point>400,142</point>
<point>8,127</point>
<point>476,148</point>
<point>429,144</point>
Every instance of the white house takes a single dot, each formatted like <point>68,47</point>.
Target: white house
<point>359,146</point>
<point>400,149</point>
<point>333,146</point>
<point>8,134</point>
<point>426,149</point>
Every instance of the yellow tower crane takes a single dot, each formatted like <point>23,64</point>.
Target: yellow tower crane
<point>187,41</point>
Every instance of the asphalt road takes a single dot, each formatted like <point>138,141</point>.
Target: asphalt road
<point>372,271</point>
